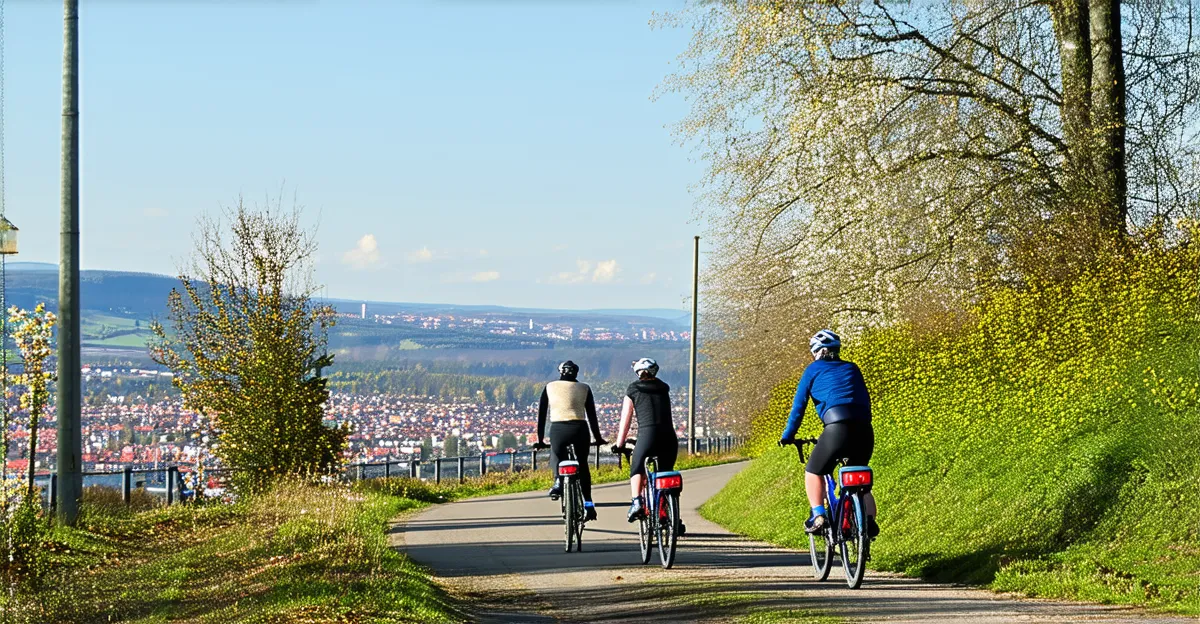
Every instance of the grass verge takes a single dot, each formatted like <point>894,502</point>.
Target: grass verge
<point>302,553</point>
<point>299,554</point>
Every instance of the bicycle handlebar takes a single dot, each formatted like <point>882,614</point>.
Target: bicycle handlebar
<point>541,447</point>
<point>625,450</point>
<point>799,443</point>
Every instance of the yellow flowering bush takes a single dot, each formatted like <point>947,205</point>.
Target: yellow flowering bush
<point>20,515</point>
<point>246,343</point>
<point>1047,440</point>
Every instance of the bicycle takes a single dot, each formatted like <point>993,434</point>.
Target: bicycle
<point>848,528</point>
<point>660,520</point>
<point>573,512</point>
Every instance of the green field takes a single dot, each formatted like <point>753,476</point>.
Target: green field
<point>106,330</point>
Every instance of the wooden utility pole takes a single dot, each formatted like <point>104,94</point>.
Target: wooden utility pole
<point>70,437</point>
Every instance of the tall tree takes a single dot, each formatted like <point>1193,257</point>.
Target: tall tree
<point>246,343</point>
<point>450,447</point>
<point>876,160</point>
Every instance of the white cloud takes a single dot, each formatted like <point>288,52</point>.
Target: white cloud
<point>649,278</point>
<point>365,254</point>
<point>485,276</point>
<point>421,255</point>
<point>601,272</point>
<point>605,272</point>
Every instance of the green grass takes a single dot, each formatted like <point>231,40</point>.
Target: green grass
<point>1047,443</point>
<point>298,554</point>
<point>514,482</point>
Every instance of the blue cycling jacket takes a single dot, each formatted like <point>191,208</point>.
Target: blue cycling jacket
<point>829,383</point>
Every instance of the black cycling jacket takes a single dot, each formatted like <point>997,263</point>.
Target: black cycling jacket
<point>651,403</point>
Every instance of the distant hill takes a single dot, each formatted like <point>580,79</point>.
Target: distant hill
<point>134,295</point>
<point>118,305</point>
<point>145,295</point>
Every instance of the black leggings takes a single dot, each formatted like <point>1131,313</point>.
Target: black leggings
<point>850,440</point>
<point>572,433</point>
<point>660,442</point>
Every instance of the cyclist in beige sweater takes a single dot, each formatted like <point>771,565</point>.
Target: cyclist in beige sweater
<point>571,409</point>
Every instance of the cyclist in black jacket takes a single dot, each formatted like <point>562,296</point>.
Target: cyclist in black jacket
<point>568,402</point>
<point>650,399</point>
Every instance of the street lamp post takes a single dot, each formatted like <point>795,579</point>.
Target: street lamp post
<point>68,407</point>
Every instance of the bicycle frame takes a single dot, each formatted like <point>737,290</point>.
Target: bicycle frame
<point>835,496</point>
<point>648,485</point>
<point>836,512</point>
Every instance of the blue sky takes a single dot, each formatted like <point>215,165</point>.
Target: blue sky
<point>466,152</point>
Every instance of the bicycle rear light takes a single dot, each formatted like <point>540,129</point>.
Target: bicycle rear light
<point>568,469</point>
<point>670,482</point>
<point>856,478</point>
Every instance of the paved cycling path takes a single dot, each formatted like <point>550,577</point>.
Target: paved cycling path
<point>504,554</point>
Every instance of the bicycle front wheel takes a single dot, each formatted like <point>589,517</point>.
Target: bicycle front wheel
<point>820,550</point>
<point>568,507</point>
<point>668,528</point>
<point>855,543</point>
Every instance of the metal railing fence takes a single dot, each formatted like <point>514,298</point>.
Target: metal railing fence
<point>168,482</point>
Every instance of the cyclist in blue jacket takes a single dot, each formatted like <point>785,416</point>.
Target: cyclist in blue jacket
<point>838,391</point>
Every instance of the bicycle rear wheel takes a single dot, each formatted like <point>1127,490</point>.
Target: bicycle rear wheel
<point>820,550</point>
<point>855,543</point>
<point>568,507</point>
<point>668,528</point>
<point>646,530</point>
<point>577,496</point>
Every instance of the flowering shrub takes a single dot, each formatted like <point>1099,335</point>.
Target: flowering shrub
<point>22,526</point>
<point>1052,432</point>
<point>246,342</point>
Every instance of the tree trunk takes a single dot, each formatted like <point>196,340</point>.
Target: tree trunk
<point>1071,24</point>
<point>1108,114</point>
<point>34,417</point>
<point>1093,112</point>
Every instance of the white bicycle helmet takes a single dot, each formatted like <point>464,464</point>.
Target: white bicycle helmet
<point>568,368</point>
<point>646,364</point>
<point>824,339</point>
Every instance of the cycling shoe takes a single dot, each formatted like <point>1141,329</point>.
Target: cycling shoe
<point>816,524</point>
<point>555,492</point>
<point>589,513</point>
<point>872,527</point>
<point>636,510</point>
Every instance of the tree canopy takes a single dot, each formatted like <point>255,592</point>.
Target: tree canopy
<point>875,161</point>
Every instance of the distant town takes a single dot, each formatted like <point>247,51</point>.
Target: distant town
<point>127,430</point>
<point>612,330</point>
